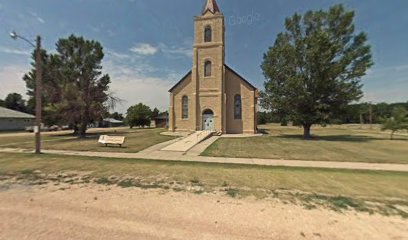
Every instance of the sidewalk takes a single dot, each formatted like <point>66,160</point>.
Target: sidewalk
<point>154,153</point>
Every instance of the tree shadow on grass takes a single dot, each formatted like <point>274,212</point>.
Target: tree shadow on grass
<point>336,138</point>
<point>93,140</point>
<point>263,131</point>
<point>90,135</point>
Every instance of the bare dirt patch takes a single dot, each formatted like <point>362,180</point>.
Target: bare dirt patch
<point>95,211</point>
<point>76,205</point>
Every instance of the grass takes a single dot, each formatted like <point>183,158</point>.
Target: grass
<point>336,189</point>
<point>136,140</point>
<point>333,143</point>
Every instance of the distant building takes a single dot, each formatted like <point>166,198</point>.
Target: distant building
<point>111,122</point>
<point>14,120</point>
<point>161,121</point>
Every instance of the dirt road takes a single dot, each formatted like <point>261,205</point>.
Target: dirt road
<point>99,212</point>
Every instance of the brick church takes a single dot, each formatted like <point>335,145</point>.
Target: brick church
<point>212,96</point>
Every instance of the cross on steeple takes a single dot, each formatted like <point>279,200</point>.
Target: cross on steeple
<point>211,6</point>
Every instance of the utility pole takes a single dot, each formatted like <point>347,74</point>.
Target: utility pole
<point>370,110</point>
<point>361,121</point>
<point>38,87</point>
<point>38,95</point>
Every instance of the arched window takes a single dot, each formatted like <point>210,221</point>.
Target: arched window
<point>237,107</point>
<point>184,107</point>
<point>207,34</point>
<point>207,69</point>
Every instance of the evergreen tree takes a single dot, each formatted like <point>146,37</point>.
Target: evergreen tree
<point>75,90</point>
<point>398,121</point>
<point>16,102</point>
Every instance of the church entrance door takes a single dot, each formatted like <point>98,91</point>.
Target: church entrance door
<point>208,120</point>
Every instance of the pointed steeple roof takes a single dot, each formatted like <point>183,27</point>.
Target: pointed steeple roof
<point>211,6</point>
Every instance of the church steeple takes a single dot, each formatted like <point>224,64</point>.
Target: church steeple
<point>211,6</point>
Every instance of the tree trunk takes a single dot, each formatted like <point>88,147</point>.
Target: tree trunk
<point>306,131</point>
<point>82,130</point>
<point>75,127</point>
<point>392,135</point>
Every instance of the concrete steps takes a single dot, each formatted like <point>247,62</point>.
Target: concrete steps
<point>188,142</point>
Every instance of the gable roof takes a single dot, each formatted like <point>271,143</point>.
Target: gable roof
<point>8,113</point>
<point>227,67</point>
<point>246,81</point>
<point>179,82</point>
<point>211,6</point>
<point>112,120</point>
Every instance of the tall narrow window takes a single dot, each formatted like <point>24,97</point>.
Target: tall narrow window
<point>207,34</point>
<point>184,107</point>
<point>207,69</point>
<point>237,107</point>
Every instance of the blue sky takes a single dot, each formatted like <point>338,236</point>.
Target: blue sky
<point>148,44</point>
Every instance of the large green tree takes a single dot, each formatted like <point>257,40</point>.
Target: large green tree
<point>139,115</point>
<point>75,90</point>
<point>315,67</point>
<point>16,102</point>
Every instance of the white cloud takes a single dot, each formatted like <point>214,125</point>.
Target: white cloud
<point>134,86</point>
<point>391,94</point>
<point>148,49</point>
<point>183,51</point>
<point>134,80</point>
<point>117,55</point>
<point>38,18</point>
<point>144,49</point>
<point>11,80</point>
<point>8,50</point>
<point>111,33</point>
<point>387,84</point>
<point>94,28</point>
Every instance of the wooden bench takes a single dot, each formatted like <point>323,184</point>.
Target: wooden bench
<point>113,140</point>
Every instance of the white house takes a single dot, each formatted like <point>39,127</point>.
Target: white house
<point>14,120</point>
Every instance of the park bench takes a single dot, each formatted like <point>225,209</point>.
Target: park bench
<point>113,140</point>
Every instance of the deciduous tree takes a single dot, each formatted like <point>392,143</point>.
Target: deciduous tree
<point>139,115</point>
<point>314,69</point>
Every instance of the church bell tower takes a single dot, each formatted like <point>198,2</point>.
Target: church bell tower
<point>208,72</point>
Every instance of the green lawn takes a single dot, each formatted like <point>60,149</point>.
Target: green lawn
<point>136,140</point>
<point>333,143</point>
<point>307,185</point>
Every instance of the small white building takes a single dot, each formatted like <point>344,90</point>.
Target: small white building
<point>14,120</point>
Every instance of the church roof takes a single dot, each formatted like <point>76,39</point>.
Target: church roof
<point>226,66</point>
<point>246,81</point>
<point>179,82</point>
<point>211,6</point>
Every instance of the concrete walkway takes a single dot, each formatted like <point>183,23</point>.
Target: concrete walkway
<point>154,153</point>
<point>185,144</point>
